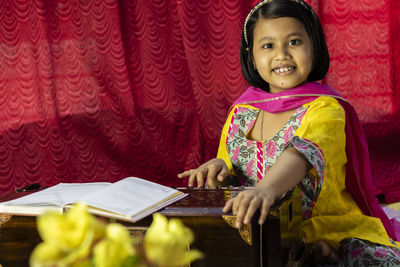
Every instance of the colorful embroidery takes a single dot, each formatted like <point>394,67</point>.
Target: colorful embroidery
<point>311,184</point>
<point>241,150</point>
<point>357,252</point>
<point>252,159</point>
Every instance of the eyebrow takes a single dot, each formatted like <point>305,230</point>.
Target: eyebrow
<point>268,38</point>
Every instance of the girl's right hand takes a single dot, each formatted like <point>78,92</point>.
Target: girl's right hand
<point>215,170</point>
<point>246,203</point>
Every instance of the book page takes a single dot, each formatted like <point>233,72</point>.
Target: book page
<point>58,195</point>
<point>131,196</point>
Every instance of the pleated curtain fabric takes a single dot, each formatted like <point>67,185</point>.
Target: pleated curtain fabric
<point>104,89</point>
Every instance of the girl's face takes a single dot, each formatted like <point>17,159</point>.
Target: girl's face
<point>282,52</point>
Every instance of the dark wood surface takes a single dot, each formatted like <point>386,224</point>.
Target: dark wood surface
<point>18,237</point>
<point>201,211</point>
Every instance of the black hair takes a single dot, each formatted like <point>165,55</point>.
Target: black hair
<point>299,10</point>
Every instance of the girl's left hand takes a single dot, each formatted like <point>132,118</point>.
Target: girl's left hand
<point>246,203</point>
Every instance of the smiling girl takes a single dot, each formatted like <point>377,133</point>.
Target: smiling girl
<point>291,138</point>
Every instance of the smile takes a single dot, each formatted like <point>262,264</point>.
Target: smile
<point>283,69</point>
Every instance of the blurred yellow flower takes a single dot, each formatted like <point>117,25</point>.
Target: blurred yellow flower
<point>167,243</point>
<point>67,238</point>
<point>116,249</point>
<point>78,239</point>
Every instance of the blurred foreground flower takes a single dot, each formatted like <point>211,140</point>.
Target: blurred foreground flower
<point>78,239</point>
<point>116,249</point>
<point>166,243</point>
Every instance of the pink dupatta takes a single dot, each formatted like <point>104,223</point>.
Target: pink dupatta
<point>358,173</point>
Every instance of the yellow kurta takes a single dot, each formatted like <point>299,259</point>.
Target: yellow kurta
<point>335,215</point>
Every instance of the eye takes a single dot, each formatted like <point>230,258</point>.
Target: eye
<point>268,46</point>
<point>294,42</point>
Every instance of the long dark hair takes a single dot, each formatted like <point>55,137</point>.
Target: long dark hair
<point>299,10</point>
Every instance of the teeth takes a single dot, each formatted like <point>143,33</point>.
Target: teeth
<point>285,69</point>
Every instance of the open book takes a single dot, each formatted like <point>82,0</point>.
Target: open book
<point>129,199</point>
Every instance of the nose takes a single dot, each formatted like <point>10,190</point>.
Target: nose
<point>282,53</point>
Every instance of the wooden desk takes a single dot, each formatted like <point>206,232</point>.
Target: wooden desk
<point>201,211</point>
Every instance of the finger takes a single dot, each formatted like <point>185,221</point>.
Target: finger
<point>324,253</point>
<point>265,205</point>
<point>325,249</point>
<point>228,205</point>
<point>253,206</point>
<point>328,252</point>
<point>185,173</point>
<point>242,209</point>
<point>236,202</point>
<point>192,178</point>
<point>211,177</point>
<point>222,175</point>
<point>200,179</point>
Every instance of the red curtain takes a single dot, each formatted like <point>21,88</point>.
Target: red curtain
<point>103,89</point>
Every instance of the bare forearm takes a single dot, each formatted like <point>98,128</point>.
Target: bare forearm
<point>288,170</point>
